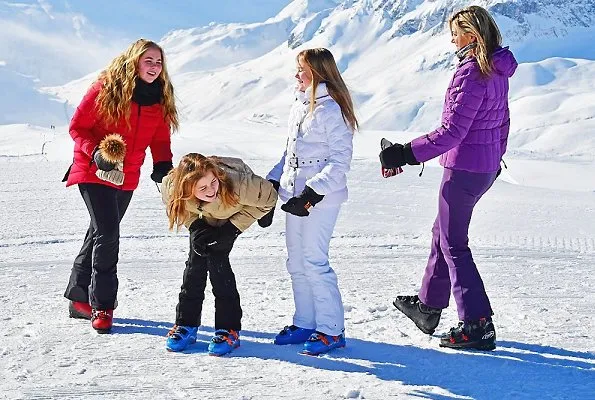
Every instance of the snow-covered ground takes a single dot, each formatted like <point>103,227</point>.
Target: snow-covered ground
<point>533,234</point>
<point>533,237</point>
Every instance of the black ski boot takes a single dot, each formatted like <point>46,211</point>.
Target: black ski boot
<point>478,335</point>
<point>425,318</point>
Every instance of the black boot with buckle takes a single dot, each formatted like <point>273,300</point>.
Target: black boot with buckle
<point>425,318</point>
<point>477,335</point>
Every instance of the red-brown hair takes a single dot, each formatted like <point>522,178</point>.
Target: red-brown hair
<point>183,178</point>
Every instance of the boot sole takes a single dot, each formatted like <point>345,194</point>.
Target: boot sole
<point>77,315</point>
<point>73,313</point>
<point>103,331</point>
<point>469,346</point>
<point>318,353</point>
<point>190,343</point>
<point>213,354</point>
<point>420,327</point>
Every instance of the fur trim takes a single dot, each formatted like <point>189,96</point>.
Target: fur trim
<point>113,148</point>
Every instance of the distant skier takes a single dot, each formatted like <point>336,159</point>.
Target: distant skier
<point>311,177</point>
<point>470,142</point>
<point>216,199</point>
<point>133,98</point>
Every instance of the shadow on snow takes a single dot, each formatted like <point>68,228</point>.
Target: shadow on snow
<point>513,370</point>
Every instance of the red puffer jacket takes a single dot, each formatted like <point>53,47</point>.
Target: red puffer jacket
<point>148,128</point>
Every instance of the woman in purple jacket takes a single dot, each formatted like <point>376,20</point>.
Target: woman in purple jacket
<point>470,143</point>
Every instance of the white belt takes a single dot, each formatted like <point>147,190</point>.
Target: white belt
<point>296,162</point>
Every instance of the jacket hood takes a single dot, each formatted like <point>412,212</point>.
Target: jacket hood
<point>504,62</point>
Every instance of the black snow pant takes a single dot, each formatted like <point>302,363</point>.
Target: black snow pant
<point>228,313</point>
<point>93,277</point>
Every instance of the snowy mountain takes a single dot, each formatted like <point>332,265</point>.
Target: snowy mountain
<point>49,46</point>
<point>397,58</point>
<point>24,103</point>
<point>58,41</point>
<point>41,47</point>
<point>532,234</point>
<point>47,43</point>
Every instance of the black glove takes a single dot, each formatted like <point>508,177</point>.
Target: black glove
<point>201,234</point>
<point>275,183</point>
<point>397,155</point>
<point>161,169</point>
<point>299,205</point>
<point>266,220</point>
<point>223,238</point>
<point>101,162</point>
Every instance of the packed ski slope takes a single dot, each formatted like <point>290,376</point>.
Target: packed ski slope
<point>534,243</point>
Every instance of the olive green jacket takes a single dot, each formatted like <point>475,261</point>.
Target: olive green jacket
<point>256,197</point>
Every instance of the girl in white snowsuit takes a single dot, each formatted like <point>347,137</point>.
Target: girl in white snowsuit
<point>311,177</point>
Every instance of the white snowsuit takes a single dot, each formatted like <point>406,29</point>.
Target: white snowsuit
<point>318,154</point>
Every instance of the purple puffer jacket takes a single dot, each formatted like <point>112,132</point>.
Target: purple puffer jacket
<point>475,118</point>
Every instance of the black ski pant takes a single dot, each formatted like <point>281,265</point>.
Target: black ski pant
<point>228,313</point>
<point>93,277</point>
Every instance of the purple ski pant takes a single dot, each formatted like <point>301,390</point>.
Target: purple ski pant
<point>450,265</point>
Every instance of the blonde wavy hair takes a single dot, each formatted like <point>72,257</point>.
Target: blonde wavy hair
<point>113,100</point>
<point>183,179</point>
<point>478,22</point>
<point>324,69</point>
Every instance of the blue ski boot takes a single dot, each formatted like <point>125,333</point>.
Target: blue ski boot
<point>320,343</point>
<point>180,337</point>
<point>224,342</point>
<point>293,335</point>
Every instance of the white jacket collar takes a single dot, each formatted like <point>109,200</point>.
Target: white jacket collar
<point>321,92</point>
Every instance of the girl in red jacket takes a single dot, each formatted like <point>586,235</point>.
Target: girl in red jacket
<point>129,108</point>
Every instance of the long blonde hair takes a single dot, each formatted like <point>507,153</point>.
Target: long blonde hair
<point>113,100</point>
<point>183,178</point>
<point>478,22</point>
<point>324,69</point>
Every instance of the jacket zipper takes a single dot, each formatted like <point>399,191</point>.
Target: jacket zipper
<point>136,128</point>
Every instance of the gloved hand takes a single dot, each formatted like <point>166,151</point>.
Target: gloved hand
<point>266,220</point>
<point>160,170</point>
<point>299,205</point>
<point>388,172</point>
<point>101,162</point>
<point>201,234</point>
<point>223,238</point>
<point>397,155</point>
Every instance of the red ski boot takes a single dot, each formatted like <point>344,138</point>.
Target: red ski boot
<point>78,309</point>
<point>101,320</point>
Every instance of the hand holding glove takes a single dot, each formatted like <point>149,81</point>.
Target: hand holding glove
<point>266,220</point>
<point>110,152</point>
<point>397,155</point>
<point>388,172</point>
<point>160,170</point>
<point>300,205</point>
<point>109,158</point>
<point>102,163</point>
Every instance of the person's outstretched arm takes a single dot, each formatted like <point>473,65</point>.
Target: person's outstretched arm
<point>257,197</point>
<point>458,116</point>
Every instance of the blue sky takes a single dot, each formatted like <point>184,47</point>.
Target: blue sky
<point>56,41</point>
<point>154,18</point>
